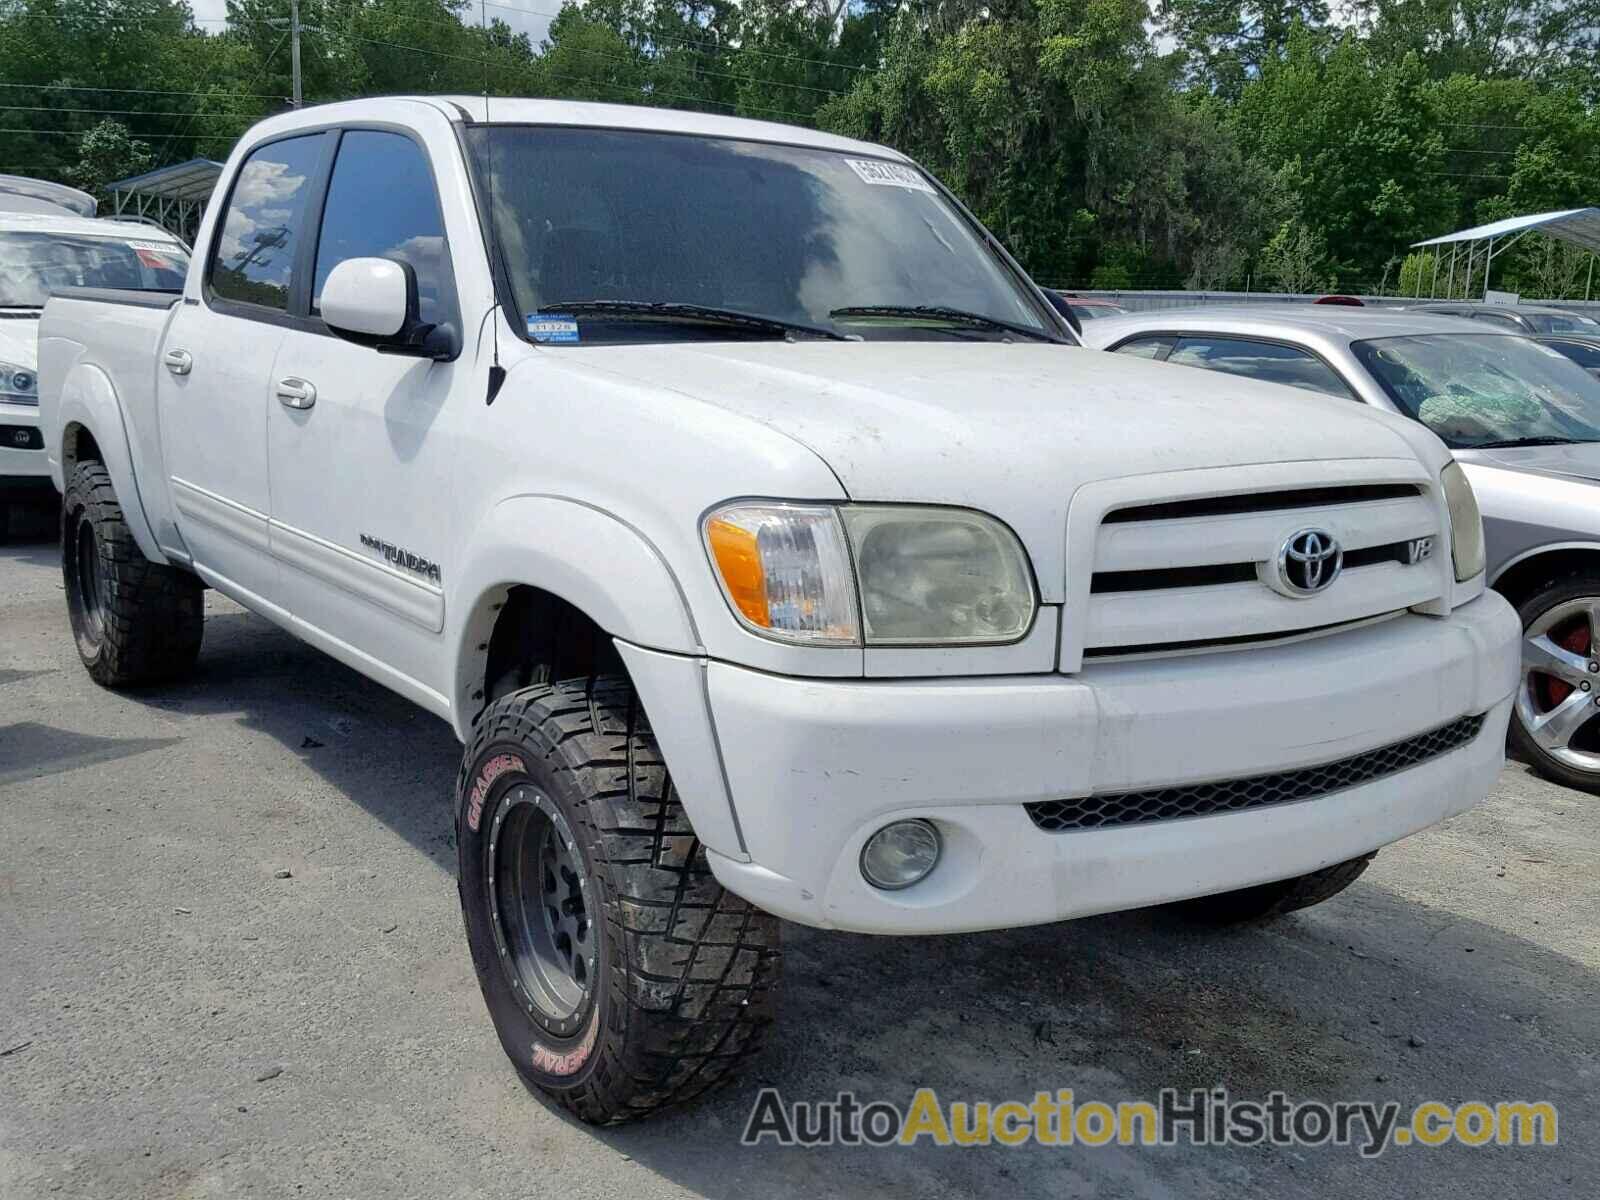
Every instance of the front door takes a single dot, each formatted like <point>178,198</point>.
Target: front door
<point>360,445</point>
<point>213,381</point>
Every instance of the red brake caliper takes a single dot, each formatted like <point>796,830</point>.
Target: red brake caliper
<point>1577,639</point>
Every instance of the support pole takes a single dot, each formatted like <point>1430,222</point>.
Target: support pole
<point>294,46</point>
<point>1433,285</point>
<point>1450,281</point>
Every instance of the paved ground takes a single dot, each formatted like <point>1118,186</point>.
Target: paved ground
<point>153,970</point>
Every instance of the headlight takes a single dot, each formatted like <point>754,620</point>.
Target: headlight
<point>1466,523</point>
<point>18,385</point>
<point>785,570</point>
<point>938,575</point>
<point>921,576</point>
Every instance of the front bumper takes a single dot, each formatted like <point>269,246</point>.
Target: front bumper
<point>814,767</point>
<point>23,467</point>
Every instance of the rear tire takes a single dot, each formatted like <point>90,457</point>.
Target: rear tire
<point>632,981</point>
<point>1554,726</point>
<point>134,621</point>
<point>1268,900</point>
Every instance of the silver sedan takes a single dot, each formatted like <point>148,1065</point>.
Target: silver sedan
<point>1523,421</point>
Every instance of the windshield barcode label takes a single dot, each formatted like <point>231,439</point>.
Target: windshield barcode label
<point>888,174</point>
<point>548,327</point>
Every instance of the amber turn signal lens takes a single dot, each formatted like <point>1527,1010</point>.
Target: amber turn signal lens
<point>738,560</point>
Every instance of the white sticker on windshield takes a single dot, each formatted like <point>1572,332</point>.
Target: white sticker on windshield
<point>553,327</point>
<point>889,174</point>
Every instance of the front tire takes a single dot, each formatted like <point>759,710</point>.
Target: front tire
<point>620,976</point>
<point>1269,900</point>
<point>134,621</point>
<point>1554,724</point>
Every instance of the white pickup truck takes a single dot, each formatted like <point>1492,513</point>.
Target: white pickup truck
<point>773,549</point>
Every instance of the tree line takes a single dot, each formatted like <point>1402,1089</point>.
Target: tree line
<point>1271,144</point>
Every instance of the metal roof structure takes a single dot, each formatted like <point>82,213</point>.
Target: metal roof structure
<point>18,193</point>
<point>172,197</point>
<point>1578,226</point>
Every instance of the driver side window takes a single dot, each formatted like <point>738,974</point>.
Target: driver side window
<point>382,203</point>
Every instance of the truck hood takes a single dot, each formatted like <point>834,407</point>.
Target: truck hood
<point>1011,430</point>
<point>19,339</point>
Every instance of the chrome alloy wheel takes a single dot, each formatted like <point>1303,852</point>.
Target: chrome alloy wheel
<point>543,909</point>
<point>1558,700</point>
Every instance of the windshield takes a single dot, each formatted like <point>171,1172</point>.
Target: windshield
<point>1486,389</point>
<point>784,233</point>
<point>1563,323</point>
<point>32,265</point>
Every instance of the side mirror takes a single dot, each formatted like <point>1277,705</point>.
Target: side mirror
<point>373,302</point>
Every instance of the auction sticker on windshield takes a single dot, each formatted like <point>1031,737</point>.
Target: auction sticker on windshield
<point>550,327</point>
<point>888,174</point>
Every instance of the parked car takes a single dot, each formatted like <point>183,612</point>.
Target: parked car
<point>1537,320</point>
<point>1523,421</point>
<point>1583,351</point>
<point>774,550</point>
<point>39,253</point>
<point>1084,308</point>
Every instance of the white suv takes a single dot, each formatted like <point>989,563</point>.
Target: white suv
<point>39,253</point>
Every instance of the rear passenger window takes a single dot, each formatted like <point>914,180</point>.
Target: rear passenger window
<point>1260,360</point>
<point>1587,357</point>
<point>1145,347</point>
<point>382,204</point>
<point>253,260</point>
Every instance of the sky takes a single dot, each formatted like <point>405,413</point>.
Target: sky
<point>210,12</point>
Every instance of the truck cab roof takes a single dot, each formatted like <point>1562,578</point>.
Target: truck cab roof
<point>498,110</point>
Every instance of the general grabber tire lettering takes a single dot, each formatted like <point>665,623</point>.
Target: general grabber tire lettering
<point>620,976</point>
<point>134,621</point>
<point>1275,899</point>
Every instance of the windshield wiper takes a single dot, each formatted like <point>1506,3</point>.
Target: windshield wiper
<point>704,314</point>
<point>938,312</point>
<point>1546,440</point>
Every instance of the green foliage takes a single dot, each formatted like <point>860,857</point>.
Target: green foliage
<point>1258,140</point>
<point>105,154</point>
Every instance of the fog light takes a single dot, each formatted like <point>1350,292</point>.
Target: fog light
<point>900,854</point>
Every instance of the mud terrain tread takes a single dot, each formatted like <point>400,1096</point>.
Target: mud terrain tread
<point>694,967</point>
<point>153,615</point>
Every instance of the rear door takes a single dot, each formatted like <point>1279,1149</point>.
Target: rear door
<point>216,365</point>
<point>360,443</point>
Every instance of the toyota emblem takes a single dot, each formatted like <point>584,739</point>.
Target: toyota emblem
<point>1308,562</point>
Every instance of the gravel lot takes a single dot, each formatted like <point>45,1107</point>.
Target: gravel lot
<point>177,1020</point>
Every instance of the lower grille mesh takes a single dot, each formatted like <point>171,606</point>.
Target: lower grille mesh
<point>1258,791</point>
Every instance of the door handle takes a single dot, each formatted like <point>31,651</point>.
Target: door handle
<point>296,393</point>
<point>178,362</point>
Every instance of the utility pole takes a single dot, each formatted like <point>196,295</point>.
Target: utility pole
<point>294,46</point>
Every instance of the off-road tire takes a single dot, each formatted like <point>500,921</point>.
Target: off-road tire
<point>684,987</point>
<point>1268,900</point>
<point>134,621</point>
<point>1575,585</point>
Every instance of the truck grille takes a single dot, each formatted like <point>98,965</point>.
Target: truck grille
<point>1257,791</point>
<point>1173,573</point>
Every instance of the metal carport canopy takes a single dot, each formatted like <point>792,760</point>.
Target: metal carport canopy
<point>1579,226</point>
<point>174,196</point>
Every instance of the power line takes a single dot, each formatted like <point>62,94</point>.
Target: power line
<point>125,112</point>
<point>70,87</point>
<point>820,62</point>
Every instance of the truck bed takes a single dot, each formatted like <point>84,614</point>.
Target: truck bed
<point>100,343</point>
